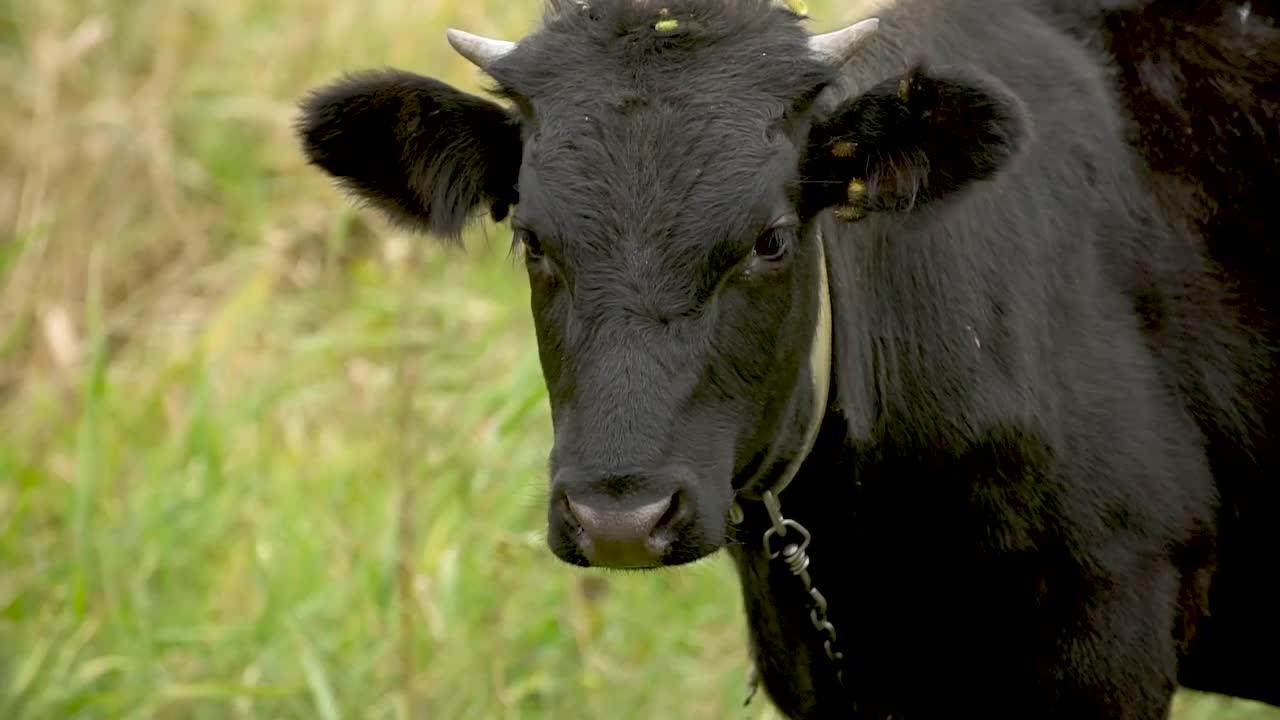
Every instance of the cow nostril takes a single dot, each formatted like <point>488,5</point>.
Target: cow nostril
<point>675,512</point>
<point>569,509</point>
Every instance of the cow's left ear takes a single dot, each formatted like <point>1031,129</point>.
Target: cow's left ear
<point>909,141</point>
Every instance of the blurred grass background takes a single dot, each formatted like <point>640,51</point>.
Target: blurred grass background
<point>262,457</point>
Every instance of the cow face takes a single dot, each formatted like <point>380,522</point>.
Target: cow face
<point>662,169</point>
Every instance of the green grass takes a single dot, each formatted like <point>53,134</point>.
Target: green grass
<point>260,456</point>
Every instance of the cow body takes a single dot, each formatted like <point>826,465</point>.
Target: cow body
<point>1042,479</point>
<point>1037,387</point>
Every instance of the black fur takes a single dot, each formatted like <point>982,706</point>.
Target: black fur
<point>912,138</point>
<point>420,151</point>
<point>1047,478</point>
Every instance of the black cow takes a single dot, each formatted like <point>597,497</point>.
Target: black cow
<point>964,318</point>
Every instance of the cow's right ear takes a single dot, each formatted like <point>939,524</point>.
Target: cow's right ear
<point>423,152</point>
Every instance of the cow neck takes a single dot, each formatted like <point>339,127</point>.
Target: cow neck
<point>792,536</point>
<point>820,376</point>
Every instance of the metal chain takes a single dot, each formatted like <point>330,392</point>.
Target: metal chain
<point>793,555</point>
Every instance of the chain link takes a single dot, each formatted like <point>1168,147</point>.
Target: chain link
<point>795,557</point>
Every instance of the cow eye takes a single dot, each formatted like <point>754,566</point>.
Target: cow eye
<point>532,246</point>
<point>772,245</point>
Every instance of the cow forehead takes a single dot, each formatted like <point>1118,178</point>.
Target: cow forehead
<point>662,171</point>
<point>676,141</point>
<point>679,134</point>
<point>653,133</point>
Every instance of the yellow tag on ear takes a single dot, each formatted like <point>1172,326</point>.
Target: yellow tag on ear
<point>799,7</point>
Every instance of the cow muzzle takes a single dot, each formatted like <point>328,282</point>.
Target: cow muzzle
<point>621,521</point>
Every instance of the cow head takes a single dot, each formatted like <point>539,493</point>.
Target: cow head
<point>662,166</point>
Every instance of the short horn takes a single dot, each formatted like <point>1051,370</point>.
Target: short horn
<point>481,51</point>
<point>838,46</point>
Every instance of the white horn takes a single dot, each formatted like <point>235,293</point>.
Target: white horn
<point>838,46</point>
<point>481,51</point>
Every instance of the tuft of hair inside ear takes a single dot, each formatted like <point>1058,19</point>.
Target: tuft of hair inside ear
<point>911,141</point>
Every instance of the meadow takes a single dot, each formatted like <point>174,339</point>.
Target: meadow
<point>262,456</point>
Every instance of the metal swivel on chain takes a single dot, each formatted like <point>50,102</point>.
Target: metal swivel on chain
<point>796,558</point>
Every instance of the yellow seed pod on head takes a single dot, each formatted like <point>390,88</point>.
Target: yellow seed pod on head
<point>799,7</point>
<point>667,23</point>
